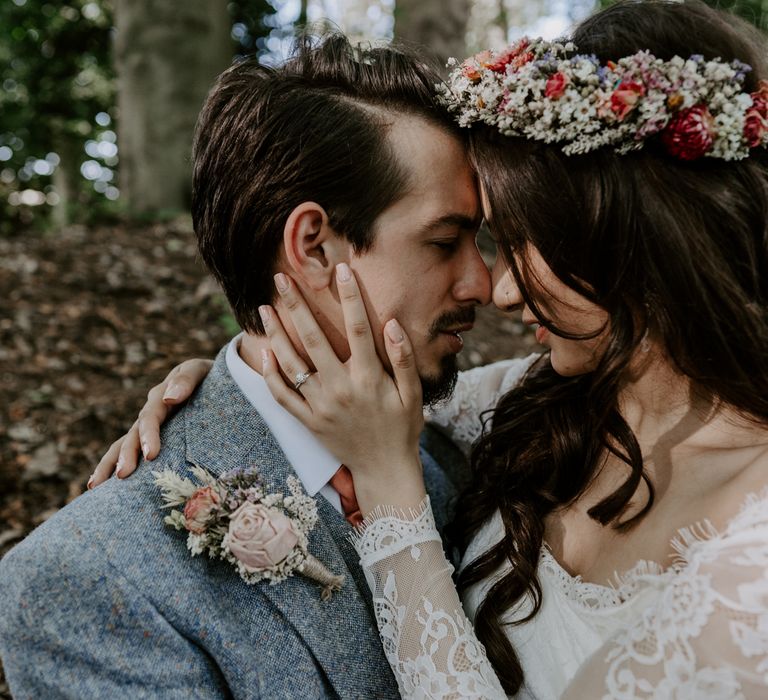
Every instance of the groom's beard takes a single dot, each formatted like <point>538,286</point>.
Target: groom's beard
<point>440,387</point>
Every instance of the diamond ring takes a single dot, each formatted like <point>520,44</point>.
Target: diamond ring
<point>301,377</point>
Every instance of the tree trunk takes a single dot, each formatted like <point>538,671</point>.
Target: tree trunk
<point>66,178</point>
<point>437,27</point>
<point>167,54</point>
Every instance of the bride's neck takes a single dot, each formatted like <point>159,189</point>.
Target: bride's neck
<point>661,404</point>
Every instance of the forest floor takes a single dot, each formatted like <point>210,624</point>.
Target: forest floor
<point>90,319</point>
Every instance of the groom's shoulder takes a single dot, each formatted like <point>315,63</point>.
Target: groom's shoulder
<point>118,528</point>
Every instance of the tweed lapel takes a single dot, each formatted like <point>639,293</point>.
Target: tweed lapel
<point>225,432</point>
<point>340,530</point>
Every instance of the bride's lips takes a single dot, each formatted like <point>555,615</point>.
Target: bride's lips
<point>540,331</point>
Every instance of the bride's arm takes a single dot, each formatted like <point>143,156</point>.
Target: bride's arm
<point>371,422</point>
<point>428,639</point>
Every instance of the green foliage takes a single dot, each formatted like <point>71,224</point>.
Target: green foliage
<point>754,11</point>
<point>57,104</point>
<point>56,75</point>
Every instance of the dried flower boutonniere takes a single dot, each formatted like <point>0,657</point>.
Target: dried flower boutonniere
<point>264,535</point>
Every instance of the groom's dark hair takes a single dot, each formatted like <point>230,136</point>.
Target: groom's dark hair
<point>312,129</point>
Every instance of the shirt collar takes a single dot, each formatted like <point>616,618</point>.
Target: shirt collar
<point>313,463</point>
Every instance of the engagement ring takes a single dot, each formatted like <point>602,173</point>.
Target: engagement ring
<point>301,377</point>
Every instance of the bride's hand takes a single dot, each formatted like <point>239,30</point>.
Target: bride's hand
<point>369,420</point>
<point>123,455</point>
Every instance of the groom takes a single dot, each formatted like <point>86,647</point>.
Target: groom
<point>340,155</point>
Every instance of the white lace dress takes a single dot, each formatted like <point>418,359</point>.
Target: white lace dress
<point>697,630</point>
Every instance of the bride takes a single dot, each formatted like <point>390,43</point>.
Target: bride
<point>614,535</point>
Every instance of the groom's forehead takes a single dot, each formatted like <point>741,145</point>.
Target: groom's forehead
<point>440,197</point>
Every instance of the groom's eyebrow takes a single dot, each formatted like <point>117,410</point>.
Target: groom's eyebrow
<point>454,220</point>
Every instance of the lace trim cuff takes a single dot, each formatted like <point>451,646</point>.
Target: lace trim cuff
<point>388,530</point>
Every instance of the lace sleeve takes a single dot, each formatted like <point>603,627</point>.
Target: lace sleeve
<point>476,391</point>
<point>427,638</point>
<point>706,636</point>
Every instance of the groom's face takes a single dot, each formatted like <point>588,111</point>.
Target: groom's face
<point>424,267</point>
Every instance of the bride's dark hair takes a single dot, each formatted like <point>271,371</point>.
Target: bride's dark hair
<point>679,249</point>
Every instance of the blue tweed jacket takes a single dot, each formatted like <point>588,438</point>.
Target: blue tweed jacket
<point>104,600</point>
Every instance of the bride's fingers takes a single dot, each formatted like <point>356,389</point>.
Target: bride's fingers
<point>289,361</point>
<point>184,379</point>
<point>106,464</point>
<point>356,323</point>
<point>400,353</point>
<point>283,394</point>
<point>120,459</point>
<point>312,337</point>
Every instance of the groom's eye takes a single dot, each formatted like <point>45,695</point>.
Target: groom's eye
<point>448,244</point>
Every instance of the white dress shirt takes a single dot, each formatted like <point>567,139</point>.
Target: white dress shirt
<point>313,463</point>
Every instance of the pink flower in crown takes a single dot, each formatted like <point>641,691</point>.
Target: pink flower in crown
<point>470,68</point>
<point>198,509</point>
<point>260,537</point>
<point>625,98</point>
<point>756,120</point>
<point>556,85</point>
<point>515,56</point>
<point>690,133</point>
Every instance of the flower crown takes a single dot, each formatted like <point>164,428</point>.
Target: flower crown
<point>547,92</point>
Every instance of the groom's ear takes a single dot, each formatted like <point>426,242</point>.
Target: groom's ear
<point>312,248</point>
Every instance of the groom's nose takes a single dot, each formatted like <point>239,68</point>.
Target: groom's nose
<point>473,279</point>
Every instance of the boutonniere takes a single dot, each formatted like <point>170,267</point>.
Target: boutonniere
<point>264,535</point>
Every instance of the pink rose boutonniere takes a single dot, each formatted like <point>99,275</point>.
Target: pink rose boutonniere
<point>264,535</point>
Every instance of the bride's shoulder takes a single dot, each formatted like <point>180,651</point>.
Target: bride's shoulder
<point>749,493</point>
<point>477,390</point>
<point>745,530</point>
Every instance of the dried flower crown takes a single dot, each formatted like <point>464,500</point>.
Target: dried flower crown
<point>547,92</point>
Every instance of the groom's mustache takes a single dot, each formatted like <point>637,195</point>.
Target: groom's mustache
<point>452,320</point>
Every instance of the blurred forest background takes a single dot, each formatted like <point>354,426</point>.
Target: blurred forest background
<point>101,291</point>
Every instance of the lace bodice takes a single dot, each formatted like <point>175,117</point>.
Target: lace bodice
<point>477,390</point>
<point>697,630</point>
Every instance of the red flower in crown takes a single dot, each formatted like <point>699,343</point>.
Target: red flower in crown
<point>689,134</point>
<point>515,56</point>
<point>556,85</point>
<point>625,98</point>
<point>756,120</point>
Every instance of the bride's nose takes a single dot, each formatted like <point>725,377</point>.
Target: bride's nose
<point>506,293</point>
